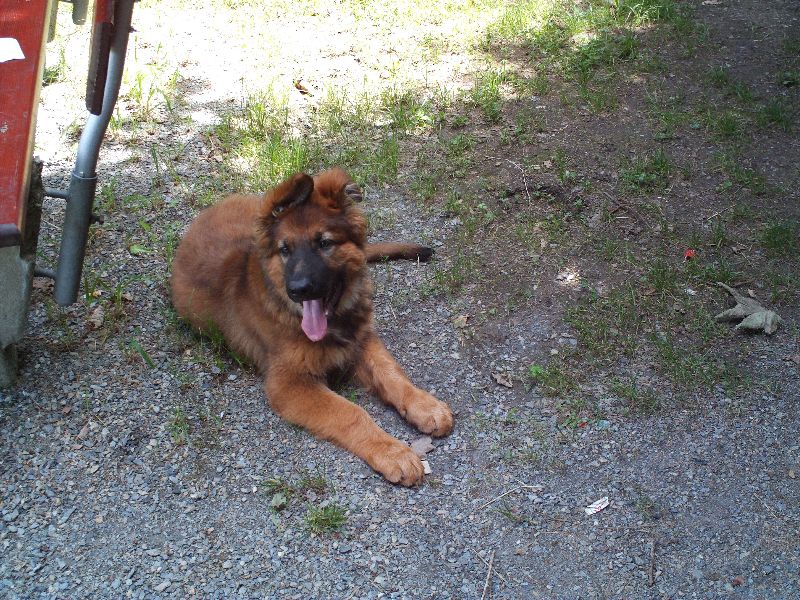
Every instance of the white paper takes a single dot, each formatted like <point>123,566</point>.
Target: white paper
<point>10,50</point>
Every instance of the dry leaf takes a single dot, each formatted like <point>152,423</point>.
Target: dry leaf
<point>421,446</point>
<point>95,318</point>
<point>42,283</point>
<point>83,432</point>
<point>460,321</point>
<point>301,88</point>
<point>756,317</point>
<point>503,379</point>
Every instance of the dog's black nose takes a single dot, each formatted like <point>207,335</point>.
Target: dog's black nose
<point>301,288</point>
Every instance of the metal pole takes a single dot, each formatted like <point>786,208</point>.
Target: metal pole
<point>84,178</point>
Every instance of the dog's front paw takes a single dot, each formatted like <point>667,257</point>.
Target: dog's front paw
<point>396,462</point>
<point>429,414</point>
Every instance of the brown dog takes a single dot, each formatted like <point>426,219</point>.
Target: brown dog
<point>284,277</point>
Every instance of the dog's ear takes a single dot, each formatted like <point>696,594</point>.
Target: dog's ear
<point>295,190</point>
<point>336,190</point>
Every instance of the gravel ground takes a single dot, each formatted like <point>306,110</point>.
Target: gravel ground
<point>101,498</point>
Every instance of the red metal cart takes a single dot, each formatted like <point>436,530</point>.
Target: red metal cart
<point>24,25</point>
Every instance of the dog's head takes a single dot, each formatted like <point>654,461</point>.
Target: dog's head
<point>312,236</point>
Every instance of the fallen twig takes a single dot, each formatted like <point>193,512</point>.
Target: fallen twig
<point>651,572</point>
<point>496,572</point>
<point>504,494</point>
<point>488,576</point>
<point>524,179</point>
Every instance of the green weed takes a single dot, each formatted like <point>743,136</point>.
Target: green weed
<point>776,112</point>
<point>639,400</point>
<point>780,238</point>
<point>486,93</point>
<point>327,519</point>
<point>648,173</point>
<point>744,176</point>
<point>553,380</point>
<point>178,426</point>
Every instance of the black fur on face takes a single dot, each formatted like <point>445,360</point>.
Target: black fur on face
<point>306,271</point>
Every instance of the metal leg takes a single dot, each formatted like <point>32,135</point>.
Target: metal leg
<point>84,177</point>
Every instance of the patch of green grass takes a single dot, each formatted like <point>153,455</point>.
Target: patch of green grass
<point>598,96</point>
<point>326,519</point>
<point>134,346</point>
<point>282,492</point>
<point>458,145</point>
<point>610,325</point>
<point>646,507</point>
<point>424,185</point>
<point>725,124</point>
<point>640,400</point>
<point>780,238</point>
<point>561,162</point>
<point>603,51</point>
<point>789,78</point>
<point>662,276</point>
<point>178,426</point>
<point>537,85</point>
<point>744,176</point>
<point>669,110</point>
<point>486,93</point>
<point>553,380</point>
<point>776,112</point>
<point>449,279</point>
<point>405,109</point>
<point>586,42</point>
<point>685,365</point>
<point>57,72</point>
<point>711,272</point>
<point>719,77</point>
<point>612,250</point>
<point>648,173</point>
<point>782,286</point>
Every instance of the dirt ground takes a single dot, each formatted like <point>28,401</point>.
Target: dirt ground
<point>562,166</point>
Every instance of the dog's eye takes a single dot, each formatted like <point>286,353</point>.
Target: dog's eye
<point>326,243</point>
<point>284,250</point>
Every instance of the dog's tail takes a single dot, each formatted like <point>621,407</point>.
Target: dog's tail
<point>397,250</point>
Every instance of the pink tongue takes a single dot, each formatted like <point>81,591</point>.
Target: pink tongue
<point>315,323</point>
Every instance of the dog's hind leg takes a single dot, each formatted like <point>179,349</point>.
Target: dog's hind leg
<point>397,250</point>
<point>328,416</point>
<point>378,371</point>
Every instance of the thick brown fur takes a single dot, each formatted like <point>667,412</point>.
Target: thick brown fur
<point>228,274</point>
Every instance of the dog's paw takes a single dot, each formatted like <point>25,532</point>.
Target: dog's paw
<point>429,414</point>
<point>396,462</point>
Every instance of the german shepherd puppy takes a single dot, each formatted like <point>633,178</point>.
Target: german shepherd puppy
<point>284,277</point>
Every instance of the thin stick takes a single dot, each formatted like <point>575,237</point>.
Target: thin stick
<point>651,572</point>
<point>496,572</point>
<point>353,593</point>
<point>511,491</point>
<point>488,576</point>
<point>524,179</point>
